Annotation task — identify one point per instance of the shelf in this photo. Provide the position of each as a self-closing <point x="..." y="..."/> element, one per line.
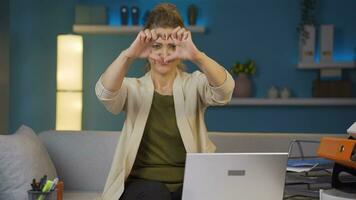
<point x="105" y="29"/>
<point x="293" y="102"/>
<point x="335" y="65"/>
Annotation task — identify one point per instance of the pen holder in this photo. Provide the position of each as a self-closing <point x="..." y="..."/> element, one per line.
<point x="38" y="195"/>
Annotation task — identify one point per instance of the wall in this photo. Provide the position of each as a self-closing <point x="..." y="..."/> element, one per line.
<point x="237" y="30"/>
<point x="4" y="66"/>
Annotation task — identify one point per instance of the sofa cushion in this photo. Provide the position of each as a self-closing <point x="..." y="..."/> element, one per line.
<point x="22" y="158"/>
<point x="82" y="158"/>
<point x="80" y="195"/>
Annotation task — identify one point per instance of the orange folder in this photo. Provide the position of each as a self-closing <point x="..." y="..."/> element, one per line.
<point x="339" y="150"/>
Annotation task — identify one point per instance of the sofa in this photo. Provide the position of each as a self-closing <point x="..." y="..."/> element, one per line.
<point x="83" y="158"/>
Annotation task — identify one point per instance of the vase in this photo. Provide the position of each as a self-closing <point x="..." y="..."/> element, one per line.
<point x="135" y="15"/>
<point x="272" y="92"/>
<point x="285" y="93"/>
<point x="124" y="13"/>
<point x="307" y="44"/>
<point x="242" y="85"/>
<point x="192" y="14"/>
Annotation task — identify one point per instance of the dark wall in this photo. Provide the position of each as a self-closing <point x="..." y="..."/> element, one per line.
<point x="4" y="66"/>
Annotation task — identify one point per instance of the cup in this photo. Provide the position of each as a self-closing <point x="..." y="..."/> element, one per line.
<point x="272" y="92"/>
<point x="38" y="195"/>
<point x="285" y="93"/>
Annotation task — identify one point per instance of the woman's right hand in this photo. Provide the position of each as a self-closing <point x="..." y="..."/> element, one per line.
<point x="141" y="46"/>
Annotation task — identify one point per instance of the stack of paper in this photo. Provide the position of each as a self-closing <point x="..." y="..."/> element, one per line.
<point x="305" y="165"/>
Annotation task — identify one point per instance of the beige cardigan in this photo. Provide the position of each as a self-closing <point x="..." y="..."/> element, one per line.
<point x="192" y="94"/>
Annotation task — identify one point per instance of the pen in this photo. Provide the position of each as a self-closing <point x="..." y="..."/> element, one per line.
<point x="33" y="184"/>
<point x="43" y="182"/>
<point x="46" y="188"/>
<point x="55" y="182"/>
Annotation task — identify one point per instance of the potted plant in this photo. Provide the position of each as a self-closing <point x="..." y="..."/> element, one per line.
<point x="243" y="84"/>
<point x="306" y="29"/>
<point x="307" y="18"/>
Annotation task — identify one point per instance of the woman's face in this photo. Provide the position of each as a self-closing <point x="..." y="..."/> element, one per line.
<point x="161" y="48"/>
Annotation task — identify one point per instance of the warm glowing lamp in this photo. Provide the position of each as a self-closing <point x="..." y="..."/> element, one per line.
<point x="69" y="82"/>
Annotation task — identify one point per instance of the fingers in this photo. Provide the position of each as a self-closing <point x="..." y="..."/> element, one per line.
<point x="142" y="36"/>
<point x="174" y="32"/>
<point x="154" y="34"/>
<point x="164" y="36"/>
<point x="169" y="58"/>
<point x="180" y="33"/>
<point x="155" y="57"/>
<point x="148" y="35"/>
<point x="186" y="35"/>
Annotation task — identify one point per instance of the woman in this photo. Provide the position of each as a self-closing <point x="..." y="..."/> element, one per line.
<point x="164" y="109"/>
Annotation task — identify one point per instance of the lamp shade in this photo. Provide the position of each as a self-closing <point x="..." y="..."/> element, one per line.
<point x="69" y="82"/>
<point x="69" y="62"/>
<point x="69" y="111"/>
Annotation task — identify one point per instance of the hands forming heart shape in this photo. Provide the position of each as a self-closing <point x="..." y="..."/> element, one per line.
<point x="180" y="38"/>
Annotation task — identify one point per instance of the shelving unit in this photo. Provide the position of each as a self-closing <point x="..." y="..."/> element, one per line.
<point x="106" y="29"/>
<point x="334" y="65"/>
<point x="293" y="102"/>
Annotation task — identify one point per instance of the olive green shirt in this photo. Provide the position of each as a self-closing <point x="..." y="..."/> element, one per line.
<point x="161" y="155"/>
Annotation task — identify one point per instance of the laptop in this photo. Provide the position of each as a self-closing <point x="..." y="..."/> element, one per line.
<point x="231" y="176"/>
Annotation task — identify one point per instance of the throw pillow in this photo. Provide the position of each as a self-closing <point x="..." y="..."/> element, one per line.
<point x="22" y="158"/>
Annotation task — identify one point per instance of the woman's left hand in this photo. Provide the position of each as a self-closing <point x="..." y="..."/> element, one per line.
<point x="185" y="48"/>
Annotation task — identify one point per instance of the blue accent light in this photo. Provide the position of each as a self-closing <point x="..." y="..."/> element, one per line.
<point x="113" y="15"/>
<point x="115" y="20"/>
<point x="344" y="57"/>
<point x="201" y="21"/>
<point x="337" y="57"/>
<point x="317" y="56"/>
